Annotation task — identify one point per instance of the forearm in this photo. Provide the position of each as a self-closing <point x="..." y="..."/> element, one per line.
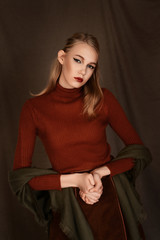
<point x="54" y="182"/>
<point x="46" y="182"/>
<point x="120" y="166"/>
<point x="83" y="181"/>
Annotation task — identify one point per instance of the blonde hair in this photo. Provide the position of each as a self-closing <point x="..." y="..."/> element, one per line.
<point x="92" y="93"/>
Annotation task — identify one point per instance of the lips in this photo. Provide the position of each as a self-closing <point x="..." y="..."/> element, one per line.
<point x="79" y="79"/>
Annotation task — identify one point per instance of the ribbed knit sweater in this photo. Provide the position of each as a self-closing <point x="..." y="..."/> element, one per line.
<point x="72" y="142"/>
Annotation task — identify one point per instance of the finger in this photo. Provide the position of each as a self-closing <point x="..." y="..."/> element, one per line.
<point x="88" y="201"/>
<point x="100" y="190"/>
<point x="94" y="189"/>
<point x="88" y="189"/>
<point x="81" y="193"/>
<point x="92" y="201"/>
<point x="92" y="197"/>
<point x="83" y="198"/>
<point x="98" y="186"/>
<point x="91" y="179"/>
<point x="97" y="179"/>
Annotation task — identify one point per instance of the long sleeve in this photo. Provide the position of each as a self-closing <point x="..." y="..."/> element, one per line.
<point x="121" y="125"/>
<point x="25" y="147"/>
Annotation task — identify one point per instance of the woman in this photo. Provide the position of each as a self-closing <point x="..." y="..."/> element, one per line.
<point x="70" y="116"/>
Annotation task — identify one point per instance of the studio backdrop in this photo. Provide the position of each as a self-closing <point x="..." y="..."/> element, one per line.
<point x="32" y="32"/>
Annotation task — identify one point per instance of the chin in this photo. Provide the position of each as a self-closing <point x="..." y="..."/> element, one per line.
<point x="77" y="85"/>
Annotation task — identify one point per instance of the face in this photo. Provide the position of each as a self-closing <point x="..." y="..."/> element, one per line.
<point x="77" y="65"/>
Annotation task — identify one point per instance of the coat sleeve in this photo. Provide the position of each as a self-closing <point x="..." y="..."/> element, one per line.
<point x="24" y="150"/>
<point x="119" y="122"/>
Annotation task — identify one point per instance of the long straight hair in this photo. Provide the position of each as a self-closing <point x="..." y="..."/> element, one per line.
<point x="92" y="93"/>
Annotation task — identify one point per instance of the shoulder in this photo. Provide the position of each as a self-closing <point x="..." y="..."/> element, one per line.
<point x="32" y="107"/>
<point x="107" y="94"/>
<point x="36" y="102"/>
<point x="110" y="100"/>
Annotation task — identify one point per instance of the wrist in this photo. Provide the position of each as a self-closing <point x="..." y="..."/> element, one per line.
<point x="102" y="171"/>
<point x="69" y="180"/>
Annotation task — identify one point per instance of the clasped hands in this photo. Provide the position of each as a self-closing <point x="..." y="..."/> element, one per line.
<point x="90" y="184"/>
<point x="91" y="187"/>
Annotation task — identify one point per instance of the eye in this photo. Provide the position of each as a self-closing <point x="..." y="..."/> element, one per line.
<point x="77" y="60"/>
<point x="91" y="67"/>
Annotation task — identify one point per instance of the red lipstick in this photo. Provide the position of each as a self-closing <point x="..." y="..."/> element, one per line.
<point x="79" y="79"/>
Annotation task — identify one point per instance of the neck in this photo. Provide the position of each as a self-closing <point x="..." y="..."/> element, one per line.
<point x="70" y="93"/>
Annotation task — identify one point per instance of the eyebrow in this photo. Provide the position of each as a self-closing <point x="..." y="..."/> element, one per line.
<point x="83" y="59"/>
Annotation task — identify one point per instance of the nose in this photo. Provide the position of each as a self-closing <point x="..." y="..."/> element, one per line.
<point x="82" y="70"/>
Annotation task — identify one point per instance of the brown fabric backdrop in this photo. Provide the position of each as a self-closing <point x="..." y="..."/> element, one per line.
<point x="31" y="34"/>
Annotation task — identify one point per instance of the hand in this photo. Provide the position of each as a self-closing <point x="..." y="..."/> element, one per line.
<point x="90" y="198"/>
<point x="97" y="173"/>
<point x="85" y="181"/>
<point x="94" y="193"/>
<point x="98" y="187"/>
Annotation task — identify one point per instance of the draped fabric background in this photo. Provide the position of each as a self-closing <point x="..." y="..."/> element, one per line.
<point x="31" y="34"/>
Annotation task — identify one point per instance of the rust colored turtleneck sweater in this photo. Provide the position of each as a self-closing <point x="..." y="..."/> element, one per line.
<point x="72" y="142"/>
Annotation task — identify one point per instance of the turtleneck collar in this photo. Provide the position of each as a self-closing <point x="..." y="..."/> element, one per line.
<point x="68" y="92"/>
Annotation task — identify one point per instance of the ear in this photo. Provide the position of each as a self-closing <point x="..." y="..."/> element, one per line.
<point x="61" y="56"/>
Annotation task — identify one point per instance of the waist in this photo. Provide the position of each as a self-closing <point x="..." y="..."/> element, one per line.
<point x="87" y="167"/>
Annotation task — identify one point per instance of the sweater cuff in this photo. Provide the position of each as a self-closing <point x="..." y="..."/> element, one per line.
<point x="120" y="166"/>
<point x="46" y="182"/>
